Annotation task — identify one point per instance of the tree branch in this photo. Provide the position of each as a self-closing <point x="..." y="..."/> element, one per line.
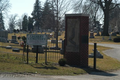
<point x="114" y="7"/>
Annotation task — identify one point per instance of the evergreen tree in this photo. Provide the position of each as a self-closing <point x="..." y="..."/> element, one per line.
<point x="30" y="24"/>
<point x="48" y="18"/>
<point x="1" y="22"/>
<point x="24" y="23"/>
<point x="37" y="13"/>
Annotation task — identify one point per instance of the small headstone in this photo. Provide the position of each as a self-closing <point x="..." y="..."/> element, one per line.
<point x="60" y="38"/>
<point x="98" y="55"/>
<point x="114" y="34"/>
<point x="98" y="34"/>
<point x="48" y="36"/>
<point x="53" y="41"/>
<point x="55" y="48"/>
<point x="13" y="39"/>
<point x="59" y="34"/>
<point x="16" y="43"/>
<point x="3" y="36"/>
<point x="110" y="38"/>
<point x="16" y="50"/>
<point x="7" y="41"/>
<point x="91" y="35"/>
<point x="8" y="47"/>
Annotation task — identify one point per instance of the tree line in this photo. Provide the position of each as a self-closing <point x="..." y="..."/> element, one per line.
<point x="51" y="15"/>
<point x="41" y="18"/>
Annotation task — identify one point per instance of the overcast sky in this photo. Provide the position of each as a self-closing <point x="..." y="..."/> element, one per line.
<point x="22" y="6"/>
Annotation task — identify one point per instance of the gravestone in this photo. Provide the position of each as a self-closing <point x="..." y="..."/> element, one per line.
<point x="98" y="55"/>
<point x="51" y="35"/>
<point x="16" y="50"/>
<point x="53" y="41"/>
<point x="13" y="39"/>
<point x="59" y="34"/>
<point x="3" y="36"/>
<point x="48" y="36"/>
<point x="91" y="34"/>
<point x="55" y="48"/>
<point x="98" y="34"/>
<point x="113" y="34"/>
<point x="8" y="47"/>
<point x="60" y="38"/>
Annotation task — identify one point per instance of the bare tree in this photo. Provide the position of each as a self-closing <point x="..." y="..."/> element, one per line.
<point x="12" y="22"/>
<point x="115" y="19"/>
<point x="19" y="23"/>
<point x="106" y="6"/>
<point x="60" y="9"/>
<point x="89" y="7"/>
<point x="77" y="6"/>
<point x="4" y="5"/>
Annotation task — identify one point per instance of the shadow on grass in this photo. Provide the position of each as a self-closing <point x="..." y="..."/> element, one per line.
<point x="102" y="73"/>
<point x="92" y="71"/>
<point x="43" y="66"/>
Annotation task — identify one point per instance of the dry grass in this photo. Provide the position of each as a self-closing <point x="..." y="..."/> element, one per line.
<point x="16" y="62"/>
<point x="15" y="59"/>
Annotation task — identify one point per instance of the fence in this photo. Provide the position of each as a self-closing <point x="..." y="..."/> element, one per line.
<point x="53" y="54"/>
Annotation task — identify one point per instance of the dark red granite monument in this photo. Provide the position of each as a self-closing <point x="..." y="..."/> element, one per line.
<point x="76" y="39"/>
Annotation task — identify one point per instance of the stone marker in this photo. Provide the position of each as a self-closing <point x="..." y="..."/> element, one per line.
<point x="59" y="34"/>
<point x="53" y="41"/>
<point x="54" y="48"/>
<point x="16" y="42"/>
<point x="114" y="34"/>
<point x="3" y="36"/>
<point x="98" y="55"/>
<point x="91" y="34"/>
<point x="8" y="47"/>
<point x="16" y="50"/>
<point x="13" y="39"/>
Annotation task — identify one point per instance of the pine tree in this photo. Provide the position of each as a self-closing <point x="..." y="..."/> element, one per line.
<point x="1" y="22"/>
<point x="30" y="24"/>
<point x="48" y="18"/>
<point x="37" y="13"/>
<point x="24" y="23"/>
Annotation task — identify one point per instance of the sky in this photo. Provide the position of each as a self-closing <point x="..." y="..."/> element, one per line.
<point x="22" y="6"/>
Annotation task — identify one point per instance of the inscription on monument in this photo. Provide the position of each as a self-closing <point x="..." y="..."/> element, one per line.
<point x="73" y="35"/>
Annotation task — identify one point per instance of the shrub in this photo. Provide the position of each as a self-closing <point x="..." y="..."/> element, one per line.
<point x="19" y="37"/>
<point x="24" y="39"/>
<point x="116" y="39"/>
<point x="62" y="62"/>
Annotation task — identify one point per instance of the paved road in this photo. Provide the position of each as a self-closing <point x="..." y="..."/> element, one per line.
<point x="93" y="76"/>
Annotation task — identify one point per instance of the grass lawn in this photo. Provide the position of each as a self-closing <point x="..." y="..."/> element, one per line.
<point x="14" y="63"/>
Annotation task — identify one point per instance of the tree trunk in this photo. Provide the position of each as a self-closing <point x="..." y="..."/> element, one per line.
<point x="106" y="23"/>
